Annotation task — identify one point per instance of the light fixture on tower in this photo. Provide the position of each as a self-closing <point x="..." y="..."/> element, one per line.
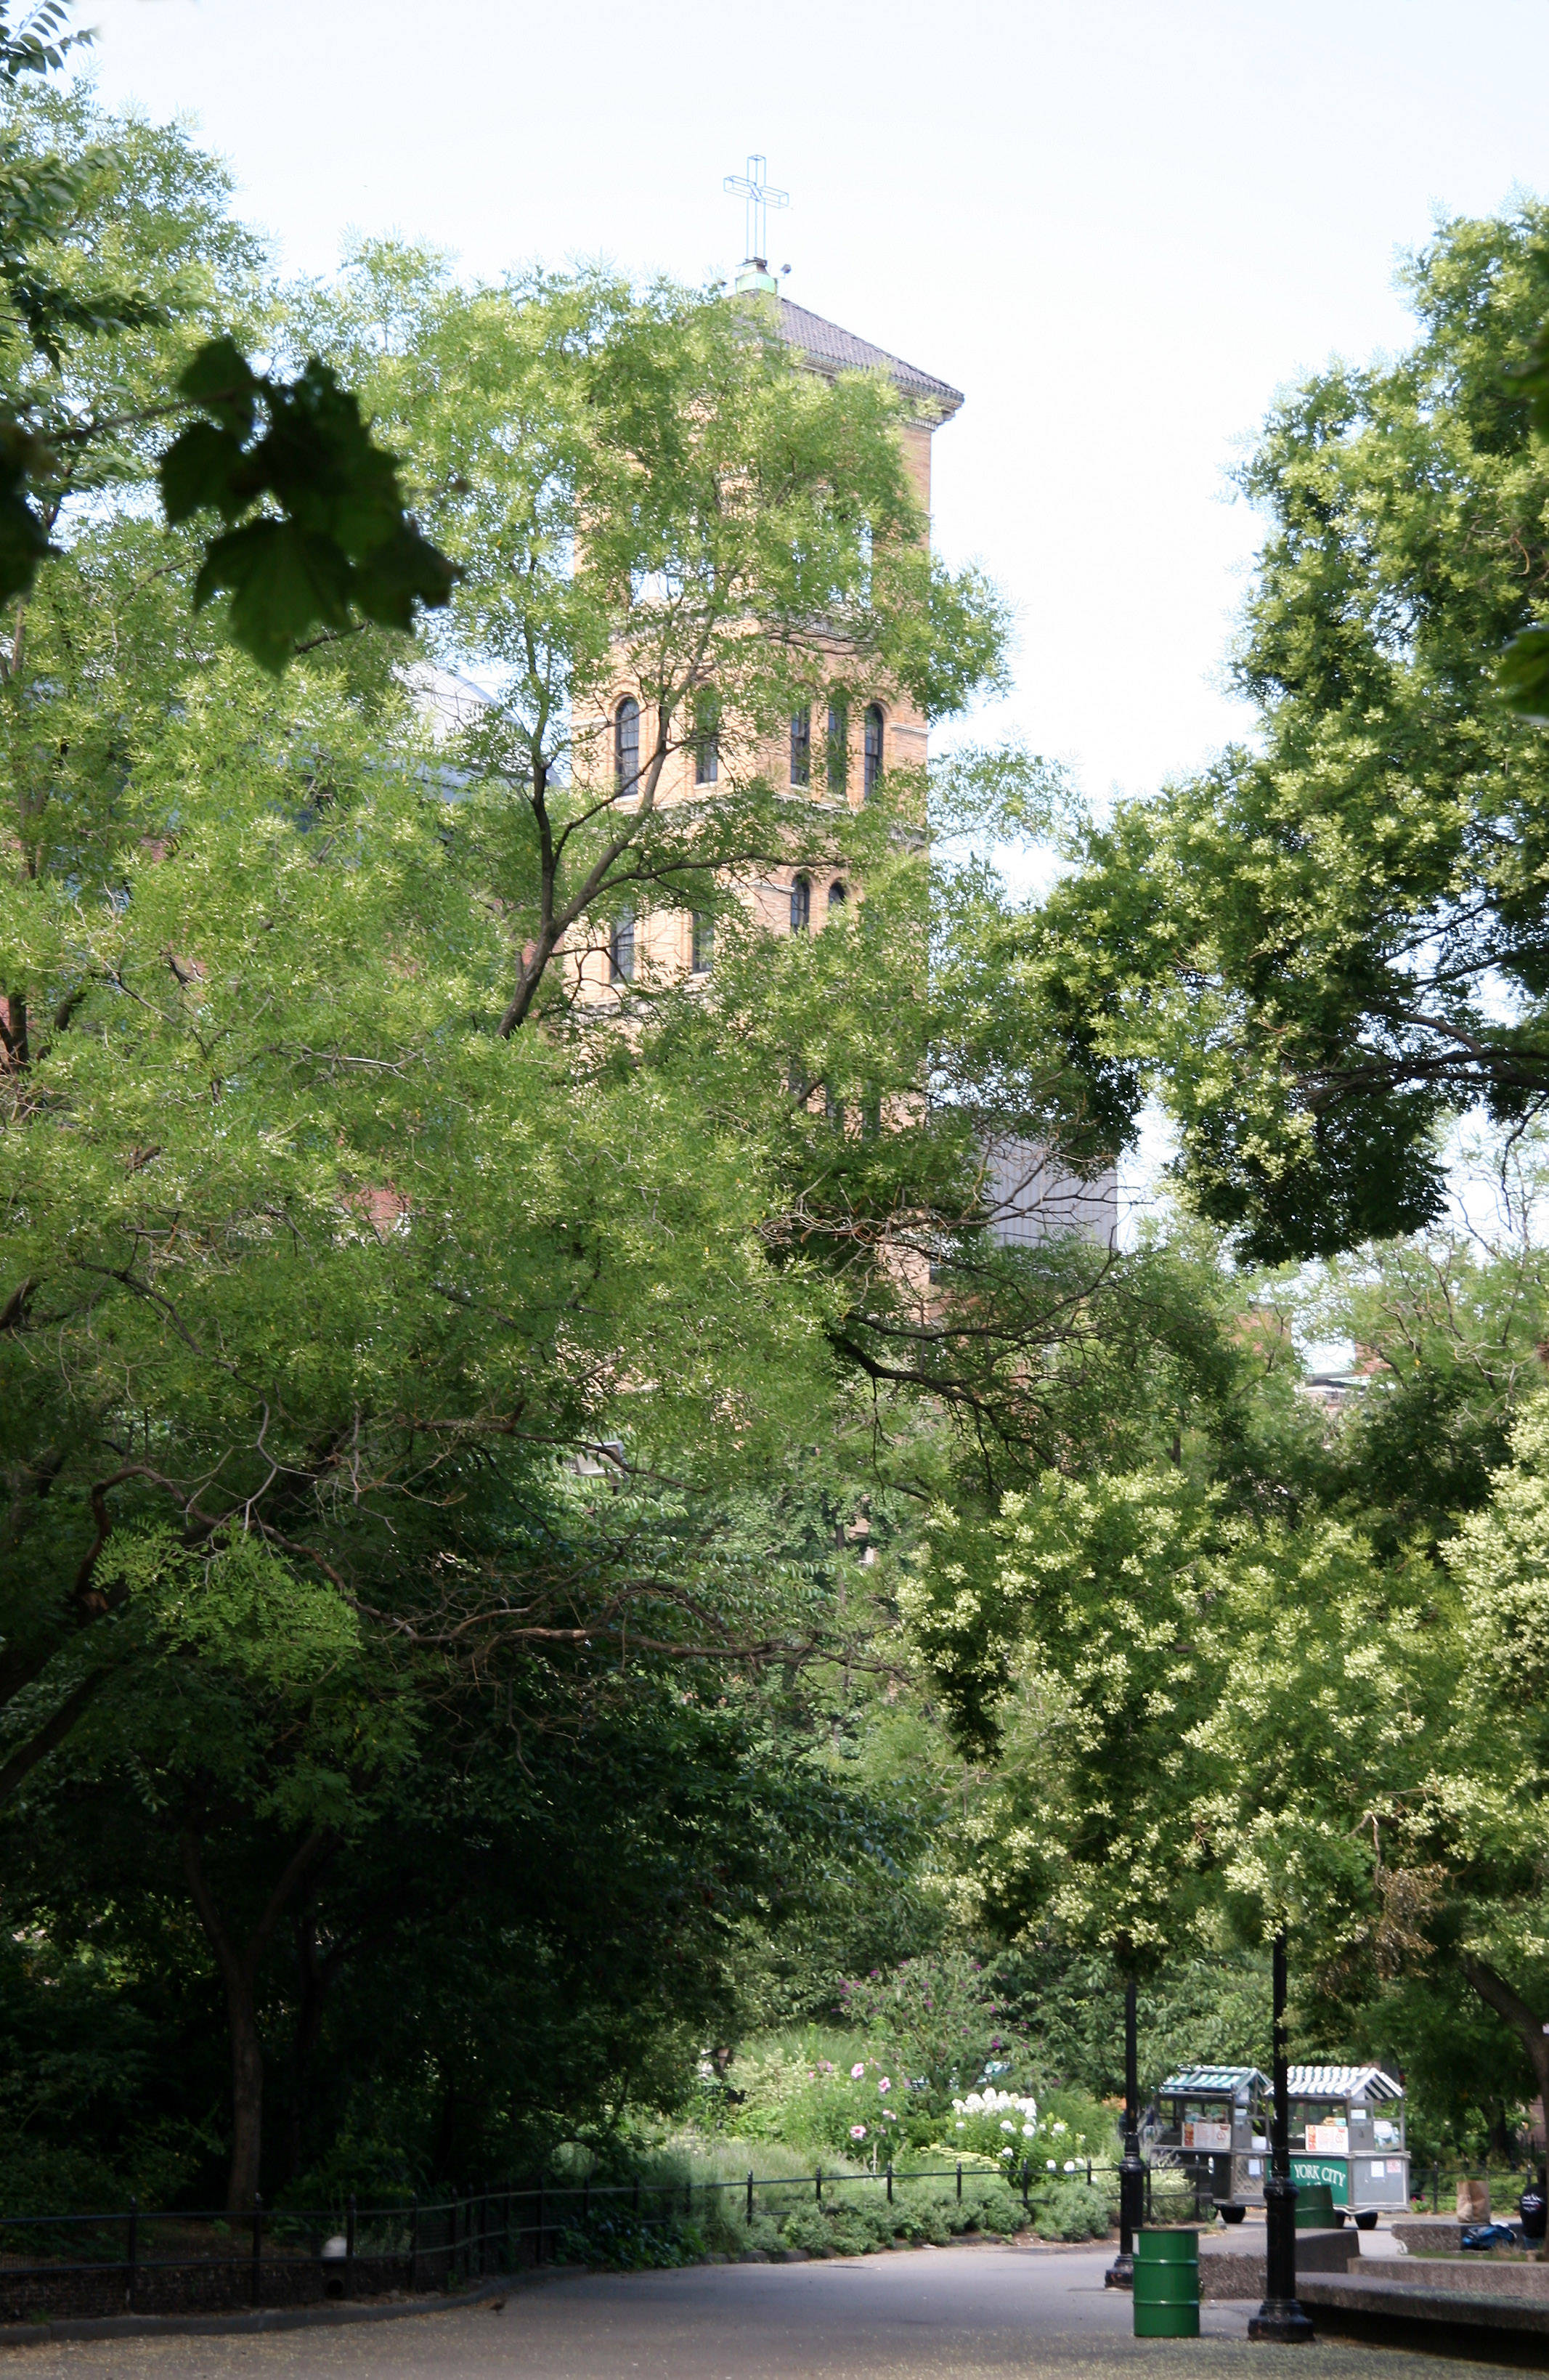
<point x="753" y="187"/>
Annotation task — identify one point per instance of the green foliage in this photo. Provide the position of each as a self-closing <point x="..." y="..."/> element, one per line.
<point x="337" y="540"/>
<point x="332" y="538"/>
<point x="1201" y="2007"/>
<point x="1319" y="949"/>
<point x="1072" y="2211"/>
<point x="623" y="2242"/>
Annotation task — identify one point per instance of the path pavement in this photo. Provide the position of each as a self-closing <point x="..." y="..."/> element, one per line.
<point x="969" y="2312"/>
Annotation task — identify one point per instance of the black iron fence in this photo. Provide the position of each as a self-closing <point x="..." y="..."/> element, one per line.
<point x="1439" y="2182"/>
<point x="139" y="2261"/>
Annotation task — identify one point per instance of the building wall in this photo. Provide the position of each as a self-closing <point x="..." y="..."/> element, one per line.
<point x="663" y="939"/>
<point x="1034" y="1197"/>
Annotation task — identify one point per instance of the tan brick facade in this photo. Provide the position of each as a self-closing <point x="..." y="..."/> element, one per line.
<point x="660" y="944"/>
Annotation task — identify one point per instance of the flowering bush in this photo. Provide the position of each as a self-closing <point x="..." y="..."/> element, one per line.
<point x="1000" y="2124"/>
<point x="857" y="2106"/>
<point x="942" y="2019"/>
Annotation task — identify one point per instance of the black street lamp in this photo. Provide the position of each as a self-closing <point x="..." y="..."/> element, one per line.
<point x="1280" y="2318"/>
<point x="1121" y="2273"/>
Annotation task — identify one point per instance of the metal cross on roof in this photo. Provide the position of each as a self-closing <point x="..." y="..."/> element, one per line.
<point x="752" y="186"/>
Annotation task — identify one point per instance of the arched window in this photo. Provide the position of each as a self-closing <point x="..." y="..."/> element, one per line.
<point x="620" y="948"/>
<point x="704" y="941"/>
<point x="707" y="737"/>
<point x="873" y="768"/>
<point x="801" y="904"/>
<point x="837" y="897"/>
<point x="626" y="745"/>
<point x="801" y="746"/>
<point x="839" y="750"/>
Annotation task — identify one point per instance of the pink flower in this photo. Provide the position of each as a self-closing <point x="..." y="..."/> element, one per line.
<point x="886" y="2083"/>
<point x="857" y="2132"/>
<point x="856" y="2073"/>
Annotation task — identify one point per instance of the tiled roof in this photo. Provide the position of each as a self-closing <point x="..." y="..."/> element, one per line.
<point x="829" y="350"/>
<point x="1213" y="2079"/>
<point x="1341" y="2082"/>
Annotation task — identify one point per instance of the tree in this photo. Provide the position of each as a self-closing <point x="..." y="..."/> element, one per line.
<point x="1319" y="949"/>
<point x="315" y="529"/>
<point x="644" y="493"/>
<point x="471" y="1334"/>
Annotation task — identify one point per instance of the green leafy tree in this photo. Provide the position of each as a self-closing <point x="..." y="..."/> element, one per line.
<point x="316" y="532"/>
<point x="644" y="493"/>
<point x="1323" y="946"/>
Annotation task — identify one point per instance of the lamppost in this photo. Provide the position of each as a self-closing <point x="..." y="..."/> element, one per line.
<point x="1280" y="2318"/>
<point x="1121" y="2273"/>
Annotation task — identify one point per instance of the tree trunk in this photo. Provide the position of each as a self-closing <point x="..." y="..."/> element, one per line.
<point x="1530" y="2029"/>
<point x="239" y="1974"/>
<point x="247" y="2098"/>
<point x="315" y="1978"/>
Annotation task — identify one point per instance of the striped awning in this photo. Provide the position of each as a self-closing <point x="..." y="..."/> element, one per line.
<point x="1213" y="2082"/>
<point x="1341" y="2082"/>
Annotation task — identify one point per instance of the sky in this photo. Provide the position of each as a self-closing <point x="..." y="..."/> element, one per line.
<point x="1118" y="225"/>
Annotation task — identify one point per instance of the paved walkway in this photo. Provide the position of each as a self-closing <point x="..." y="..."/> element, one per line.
<point x="947" y="2314"/>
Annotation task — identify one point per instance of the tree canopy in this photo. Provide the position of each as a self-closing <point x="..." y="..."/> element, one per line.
<point x="1322" y="947"/>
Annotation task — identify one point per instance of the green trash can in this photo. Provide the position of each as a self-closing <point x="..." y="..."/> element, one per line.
<point x="1314" y="2207"/>
<point x="1167" y="2291"/>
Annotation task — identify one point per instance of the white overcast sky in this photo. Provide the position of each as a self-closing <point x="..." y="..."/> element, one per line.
<point x="1119" y="225"/>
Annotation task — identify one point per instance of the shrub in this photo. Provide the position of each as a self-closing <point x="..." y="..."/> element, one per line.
<point x="805" y="2226"/>
<point x="997" y="2211"/>
<point x="1172" y="2195"/>
<point x="924" y="2215"/>
<point x="1071" y="2211"/>
<point x="856" y="2231"/>
<point x="623" y="2243"/>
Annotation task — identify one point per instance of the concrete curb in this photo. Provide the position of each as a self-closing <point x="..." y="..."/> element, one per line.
<point x="236" y="2326"/>
<point x="1437" y="2321"/>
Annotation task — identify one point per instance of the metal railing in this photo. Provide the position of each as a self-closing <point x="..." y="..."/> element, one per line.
<point x="146" y="2260"/>
<point x="1441" y="2181"/>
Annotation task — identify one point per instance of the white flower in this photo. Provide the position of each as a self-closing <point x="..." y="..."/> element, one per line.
<point x="1070" y="2164"/>
<point x="1052" y="2166"/>
<point x="1029" y="2132"/>
<point x="1005" y="2152"/>
<point x="1006" y="2125"/>
<point x="960" y="2125"/>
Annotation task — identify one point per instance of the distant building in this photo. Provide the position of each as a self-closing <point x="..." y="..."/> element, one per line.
<point x="1033" y="1197"/>
<point x="831" y="757"/>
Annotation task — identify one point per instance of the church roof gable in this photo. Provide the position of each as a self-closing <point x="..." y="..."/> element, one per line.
<point x="829" y="350"/>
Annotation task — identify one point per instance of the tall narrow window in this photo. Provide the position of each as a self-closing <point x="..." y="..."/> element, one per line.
<point x="873" y="748"/>
<point x="707" y="737"/>
<point x="839" y="750"/>
<point x="801" y="904"/>
<point x="837" y="898"/>
<point x="626" y="746"/>
<point x="704" y="941"/>
<point x="620" y="948"/>
<point x="801" y="746"/>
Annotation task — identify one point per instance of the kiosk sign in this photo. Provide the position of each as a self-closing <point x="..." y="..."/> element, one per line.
<point x="1334" y="2171"/>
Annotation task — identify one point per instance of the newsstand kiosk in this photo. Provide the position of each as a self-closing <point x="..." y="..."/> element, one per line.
<point x="1347" y="2128"/>
<point x="1215" y="2121"/>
